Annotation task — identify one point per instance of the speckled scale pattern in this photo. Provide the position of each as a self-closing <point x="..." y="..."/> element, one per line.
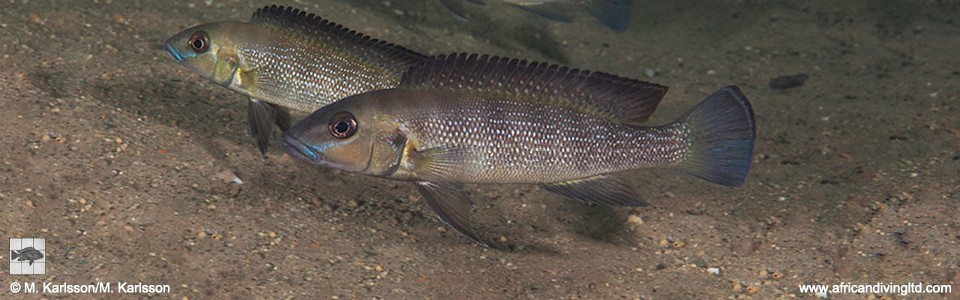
<point x="604" y="95"/>
<point x="305" y="78"/>
<point x="311" y="62"/>
<point x="522" y="142"/>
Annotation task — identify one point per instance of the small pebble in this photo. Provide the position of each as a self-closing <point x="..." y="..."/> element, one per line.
<point x="677" y="244"/>
<point x="120" y="19"/>
<point x="788" y="81"/>
<point x="227" y="176"/>
<point x="634" y="219"/>
<point x="36" y="19"/>
<point x="714" y="271"/>
<point x="650" y="72"/>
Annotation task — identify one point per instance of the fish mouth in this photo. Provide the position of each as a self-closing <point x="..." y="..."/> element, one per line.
<point x="300" y="150"/>
<point x="172" y="51"/>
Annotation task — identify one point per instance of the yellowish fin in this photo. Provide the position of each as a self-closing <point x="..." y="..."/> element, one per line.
<point x="601" y="189"/>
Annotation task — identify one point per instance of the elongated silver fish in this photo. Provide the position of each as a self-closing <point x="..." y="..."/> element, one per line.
<point x="469" y="119"/>
<point x="613" y="13"/>
<point x="285" y="58"/>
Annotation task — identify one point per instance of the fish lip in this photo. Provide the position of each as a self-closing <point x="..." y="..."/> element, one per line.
<point x="300" y="150"/>
<point x="172" y="51"/>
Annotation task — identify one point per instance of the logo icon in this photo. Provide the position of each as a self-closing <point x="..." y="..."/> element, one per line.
<point x="27" y="256"/>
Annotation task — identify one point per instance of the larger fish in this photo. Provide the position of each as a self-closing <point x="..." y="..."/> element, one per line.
<point x="285" y="58"/>
<point x="613" y="13"/>
<point x="452" y="121"/>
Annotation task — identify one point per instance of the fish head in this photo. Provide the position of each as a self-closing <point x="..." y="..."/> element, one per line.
<point x="349" y="135"/>
<point x="209" y="50"/>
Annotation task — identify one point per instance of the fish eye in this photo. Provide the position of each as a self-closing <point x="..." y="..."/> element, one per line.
<point x="199" y="42"/>
<point x="343" y="125"/>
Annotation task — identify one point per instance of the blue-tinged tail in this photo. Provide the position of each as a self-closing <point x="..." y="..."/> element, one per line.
<point x="721" y="133"/>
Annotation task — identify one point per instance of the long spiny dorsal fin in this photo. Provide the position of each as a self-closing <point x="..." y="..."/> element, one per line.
<point x="620" y="99"/>
<point x="329" y="33"/>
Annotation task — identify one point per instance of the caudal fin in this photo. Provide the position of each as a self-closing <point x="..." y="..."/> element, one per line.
<point x="613" y="13"/>
<point x="722" y="132"/>
<point x="14" y="254"/>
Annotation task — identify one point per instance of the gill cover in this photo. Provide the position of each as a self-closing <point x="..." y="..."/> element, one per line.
<point x="386" y="153"/>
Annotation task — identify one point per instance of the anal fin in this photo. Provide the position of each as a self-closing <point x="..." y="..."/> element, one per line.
<point x="451" y="205"/>
<point x="262" y="117"/>
<point x="602" y="189"/>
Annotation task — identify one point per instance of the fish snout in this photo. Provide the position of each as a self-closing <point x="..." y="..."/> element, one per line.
<point x="172" y="51"/>
<point x="299" y="150"/>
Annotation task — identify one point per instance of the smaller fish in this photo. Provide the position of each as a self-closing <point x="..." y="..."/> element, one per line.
<point x="284" y="58"/>
<point x="613" y="13"/>
<point x="28" y="253"/>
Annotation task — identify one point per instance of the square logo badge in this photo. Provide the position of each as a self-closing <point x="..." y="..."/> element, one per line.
<point x="28" y="256"/>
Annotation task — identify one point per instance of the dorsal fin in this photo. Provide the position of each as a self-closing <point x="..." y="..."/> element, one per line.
<point x="311" y="26"/>
<point x="617" y="98"/>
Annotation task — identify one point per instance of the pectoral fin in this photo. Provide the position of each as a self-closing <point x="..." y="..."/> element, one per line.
<point x="254" y="81"/>
<point x="440" y="163"/>
<point x="450" y="204"/>
<point x="600" y="189"/>
<point x="262" y="116"/>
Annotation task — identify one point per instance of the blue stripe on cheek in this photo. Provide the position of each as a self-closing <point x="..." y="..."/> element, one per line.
<point x="306" y="150"/>
<point x="314" y="149"/>
<point x="315" y="152"/>
<point x="173" y="52"/>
